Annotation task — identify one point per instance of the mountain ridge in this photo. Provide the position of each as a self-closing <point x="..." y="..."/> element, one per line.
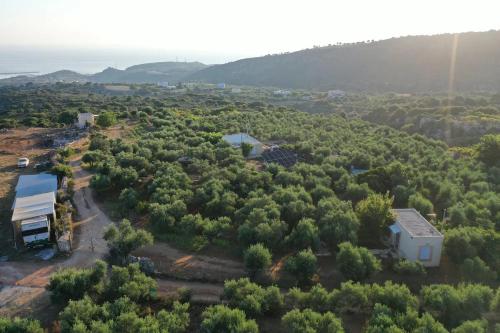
<point x="403" y="64"/>
<point x="171" y="72"/>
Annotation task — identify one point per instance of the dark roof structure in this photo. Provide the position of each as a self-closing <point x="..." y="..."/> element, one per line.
<point x="283" y="157"/>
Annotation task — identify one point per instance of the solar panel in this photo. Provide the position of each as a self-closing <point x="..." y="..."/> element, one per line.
<point x="280" y="156"/>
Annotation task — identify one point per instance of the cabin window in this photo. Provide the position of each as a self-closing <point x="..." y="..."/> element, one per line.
<point x="35" y="231"/>
<point x="425" y="253"/>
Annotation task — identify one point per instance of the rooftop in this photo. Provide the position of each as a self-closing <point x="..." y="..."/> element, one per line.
<point x="28" y="185"/>
<point x="239" y="138"/>
<point x="411" y="220"/>
<point x="33" y="206"/>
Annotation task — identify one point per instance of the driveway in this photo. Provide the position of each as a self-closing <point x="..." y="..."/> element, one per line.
<point x="24" y="282"/>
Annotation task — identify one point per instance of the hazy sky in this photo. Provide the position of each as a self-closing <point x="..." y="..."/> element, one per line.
<point x="229" y="29"/>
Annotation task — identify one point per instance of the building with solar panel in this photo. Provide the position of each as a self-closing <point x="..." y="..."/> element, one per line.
<point x="283" y="157"/>
<point x="237" y="139"/>
<point x="415" y="239"/>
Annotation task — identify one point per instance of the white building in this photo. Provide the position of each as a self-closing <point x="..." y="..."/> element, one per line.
<point x="282" y="93"/>
<point x="85" y="120"/>
<point x="236" y="90"/>
<point x="334" y="94"/>
<point x="415" y="239"/>
<point x="237" y="139"/>
<point x="33" y="209"/>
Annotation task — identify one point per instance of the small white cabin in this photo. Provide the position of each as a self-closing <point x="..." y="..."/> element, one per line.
<point x="415" y="239"/>
<point x="334" y="94"/>
<point x="85" y="120"/>
<point x="237" y="139"/>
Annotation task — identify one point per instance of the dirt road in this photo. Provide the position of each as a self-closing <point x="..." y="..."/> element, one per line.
<point x="23" y="283"/>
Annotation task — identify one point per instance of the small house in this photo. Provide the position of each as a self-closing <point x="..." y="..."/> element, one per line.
<point x="221" y="86"/>
<point x="33" y="210"/>
<point x="236" y="140"/>
<point x="415" y="239"/>
<point x="85" y="120"/>
<point x="334" y="94"/>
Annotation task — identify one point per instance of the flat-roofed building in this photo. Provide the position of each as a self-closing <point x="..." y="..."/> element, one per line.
<point x="415" y="239"/>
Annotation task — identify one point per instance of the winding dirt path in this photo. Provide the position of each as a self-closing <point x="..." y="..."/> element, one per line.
<point x="24" y="282"/>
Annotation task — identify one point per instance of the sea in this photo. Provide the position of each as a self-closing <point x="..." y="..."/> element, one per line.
<point x="37" y="61"/>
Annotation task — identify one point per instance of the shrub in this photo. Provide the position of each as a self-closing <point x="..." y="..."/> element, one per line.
<point x="18" y="325"/>
<point x="472" y="326"/>
<point x="73" y="284"/>
<point x="356" y="263"/>
<point x="476" y="270"/>
<point x="302" y="266"/>
<point x="297" y="321"/>
<point x="406" y="267"/>
<point x="252" y="298"/>
<point x="304" y="235"/>
<point x="257" y="258"/>
<point x="221" y="319"/>
<point x="125" y="239"/>
<point x="452" y="306"/>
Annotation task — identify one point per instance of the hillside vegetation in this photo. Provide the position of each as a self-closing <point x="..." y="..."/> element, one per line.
<point x="174" y="177"/>
<point x="407" y="64"/>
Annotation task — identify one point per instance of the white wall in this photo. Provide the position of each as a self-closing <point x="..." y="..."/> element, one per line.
<point x="256" y="150"/>
<point x="409" y="247"/>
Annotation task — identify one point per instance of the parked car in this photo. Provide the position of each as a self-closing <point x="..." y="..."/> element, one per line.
<point x="23" y="162"/>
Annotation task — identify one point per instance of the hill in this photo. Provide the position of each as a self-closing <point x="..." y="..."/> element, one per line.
<point x="171" y="72"/>
<point x="406" y="64"/>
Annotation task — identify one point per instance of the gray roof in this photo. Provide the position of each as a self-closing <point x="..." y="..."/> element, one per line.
<point x="238" y="138"/>
<point x="33" y="206"/>
<point x="411" y="220"/>
<point x="28" y="185"/>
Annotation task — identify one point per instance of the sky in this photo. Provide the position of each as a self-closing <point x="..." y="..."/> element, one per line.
<point x="215" y="31"/>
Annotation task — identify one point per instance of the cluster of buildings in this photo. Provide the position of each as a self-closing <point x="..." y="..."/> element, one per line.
<point x="411" y="236"/>
<point x="33" y="210"/>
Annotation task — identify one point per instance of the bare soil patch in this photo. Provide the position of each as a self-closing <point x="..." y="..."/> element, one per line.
<point x="174" y="263"/>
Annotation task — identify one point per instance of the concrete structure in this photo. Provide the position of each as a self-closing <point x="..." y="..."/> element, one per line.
<point x="415" y="239"/>
<point x="334" y="94"/>
<point x="282" y="93"/>
<point x="237" y="139"/>
<point x="221" y="86"/>
<point x="236" y="90"/>
<point x="85" y="120"/>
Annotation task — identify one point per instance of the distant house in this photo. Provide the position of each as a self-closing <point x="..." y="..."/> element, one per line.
<point x="282" y="93"/>
<point x="221" y="86"/>
<point x="334" y="94"/>
<point x="237" y="139"/>
<point x="415" y="239"/>
<point x="85" y="120"/>
<point x="236" y="90"/>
